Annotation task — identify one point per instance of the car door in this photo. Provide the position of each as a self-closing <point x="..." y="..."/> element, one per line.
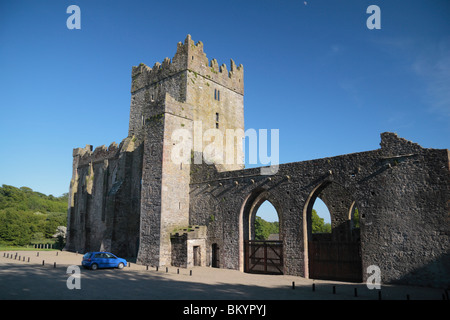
<point x="112" y="260"/>
<point x="101" y="260"/>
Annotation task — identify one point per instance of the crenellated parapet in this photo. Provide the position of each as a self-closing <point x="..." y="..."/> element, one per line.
<point x="189" y="56"/>
<point x="87" y="156"/>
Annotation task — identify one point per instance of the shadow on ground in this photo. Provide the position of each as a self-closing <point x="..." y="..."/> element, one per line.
<point x="32" y="282"/>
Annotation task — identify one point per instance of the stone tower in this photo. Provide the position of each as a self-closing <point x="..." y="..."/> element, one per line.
<point x="188" y="96"/>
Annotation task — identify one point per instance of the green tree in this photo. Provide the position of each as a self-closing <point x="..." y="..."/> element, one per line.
<point x="264" y="228"/>
<point x="27" y="215"/>
<point x="318" y="224"/>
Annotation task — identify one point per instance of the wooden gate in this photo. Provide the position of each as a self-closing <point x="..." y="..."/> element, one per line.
<point x="263" y="256"/>
<point x="335" y="261"/>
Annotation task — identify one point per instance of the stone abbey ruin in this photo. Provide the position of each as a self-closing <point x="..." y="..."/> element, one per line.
<point x="134" y="200"/>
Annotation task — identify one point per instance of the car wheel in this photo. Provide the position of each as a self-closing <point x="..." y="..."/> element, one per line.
<point x="94" y="266"/>
<point x="121" y="265"/>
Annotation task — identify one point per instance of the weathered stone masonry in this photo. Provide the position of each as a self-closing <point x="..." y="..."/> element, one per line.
<point x="132" y="199"/>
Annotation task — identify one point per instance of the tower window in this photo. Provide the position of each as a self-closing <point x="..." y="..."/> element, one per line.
<point x="217" y="125"/>
<point x="217" y="116"/>
<point x="216" y="94"/>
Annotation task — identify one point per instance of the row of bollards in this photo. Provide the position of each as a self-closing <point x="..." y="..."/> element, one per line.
<point x="17" y="257"/>
<point x="167" y="270"/>
<point x="445" y="295"/>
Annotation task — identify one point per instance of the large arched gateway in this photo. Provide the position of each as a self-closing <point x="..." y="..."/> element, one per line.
<point x="335" y="255"/>
<point x="259" y="256"/>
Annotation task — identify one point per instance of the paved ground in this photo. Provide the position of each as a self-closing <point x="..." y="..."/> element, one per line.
<point x="23" y="280"/>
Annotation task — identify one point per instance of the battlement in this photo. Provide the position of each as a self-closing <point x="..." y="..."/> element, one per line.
<point x="87" y="156"/>
<point x="189" y="56"/>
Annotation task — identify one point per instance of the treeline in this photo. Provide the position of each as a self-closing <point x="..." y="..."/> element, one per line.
<point x="264" y="228"/>
<point x="27" y="216"/>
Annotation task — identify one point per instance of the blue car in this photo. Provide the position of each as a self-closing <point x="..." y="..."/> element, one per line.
<point x="95" y="260"/>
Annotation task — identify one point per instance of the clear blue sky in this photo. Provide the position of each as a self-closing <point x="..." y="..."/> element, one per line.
<point x="313" y="70"/>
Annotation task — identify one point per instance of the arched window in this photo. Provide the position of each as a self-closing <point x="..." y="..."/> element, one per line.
<point x="267" y="226"/>
<point x="321" y="217"/>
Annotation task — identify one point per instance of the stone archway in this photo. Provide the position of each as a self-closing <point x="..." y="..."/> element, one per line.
<point x="335" y="257"/>
<point x="269" y="250"/>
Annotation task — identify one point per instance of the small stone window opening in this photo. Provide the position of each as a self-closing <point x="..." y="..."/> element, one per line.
<point x="216" y="94"/>
<point x="217" y="117"/>
<point x="217" y="125"/>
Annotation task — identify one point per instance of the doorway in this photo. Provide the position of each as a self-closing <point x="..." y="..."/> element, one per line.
<point x="197" y="256"/>
<point x="215" y="262"/>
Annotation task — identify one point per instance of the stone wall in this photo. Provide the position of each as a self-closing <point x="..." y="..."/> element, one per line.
<point x="402" y="197"/>
<point x="130" y="198"/>
<point x="104" y="199"/>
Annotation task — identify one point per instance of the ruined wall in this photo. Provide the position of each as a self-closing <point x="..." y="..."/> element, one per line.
<point x="407" y="231"/>
<point x="104" y="199"/>
<point x="401" y="191"/>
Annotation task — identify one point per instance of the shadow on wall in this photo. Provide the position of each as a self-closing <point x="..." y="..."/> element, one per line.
<point x="434" y="274"/>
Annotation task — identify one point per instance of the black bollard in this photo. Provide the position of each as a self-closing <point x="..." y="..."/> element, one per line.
<point x="356" y="292"/>
<point x="293" y="285"/>
<point x="313" y="287"/>
<point x="334" y="289"/>
<point x="190" y="272"/>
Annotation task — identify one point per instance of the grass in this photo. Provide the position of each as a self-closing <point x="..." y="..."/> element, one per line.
<point x="23" y="248"/>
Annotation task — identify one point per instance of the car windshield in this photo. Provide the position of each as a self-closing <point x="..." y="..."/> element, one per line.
<point x="87" y="255"/>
